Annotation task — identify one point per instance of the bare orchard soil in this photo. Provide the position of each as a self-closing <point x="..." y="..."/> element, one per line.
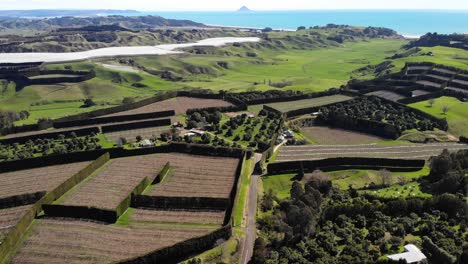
<point x="73" y="241"/>
<point x="336" y="136"/>
<point x="9" y="218"/>
<point x="116" y="181"/>
<point x="179" y="104"/>
<point x="197" y="176"/>
<point x="179" y="217"/>
<point x="413" y="151"/>
<point x="37" y="180"/>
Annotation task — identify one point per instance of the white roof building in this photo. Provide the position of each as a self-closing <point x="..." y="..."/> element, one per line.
<point x="146" y="143"/>
<point x="412" y="255"/>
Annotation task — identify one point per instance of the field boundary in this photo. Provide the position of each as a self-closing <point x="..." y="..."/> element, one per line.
<point x="180" y="203"/>
<point x="13" y="238"/>
<point x="162" y="174"/>
<point x="397" y="165"/>
<point x="178" y="252"/>
<point x="136" y="125"/>
<point x="113" y="119"/>
<point x="20" y="200"/>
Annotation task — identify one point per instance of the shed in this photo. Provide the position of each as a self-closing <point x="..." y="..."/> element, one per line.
<point x="412" y="255"/>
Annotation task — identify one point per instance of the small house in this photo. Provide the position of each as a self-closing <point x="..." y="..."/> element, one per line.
<point x="288" y="134"/>
<point x="189" y="134"/>
<point x="197" y="131"/>
<point x="412" y="255"/>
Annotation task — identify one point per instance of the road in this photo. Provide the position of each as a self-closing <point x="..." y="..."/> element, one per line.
<point x="251" y="230"/>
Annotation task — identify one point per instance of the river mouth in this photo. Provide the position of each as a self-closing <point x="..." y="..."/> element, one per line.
<point x="164" y="49"/>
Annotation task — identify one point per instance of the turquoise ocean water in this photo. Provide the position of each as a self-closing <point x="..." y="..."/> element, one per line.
<point x="408" y="23"/>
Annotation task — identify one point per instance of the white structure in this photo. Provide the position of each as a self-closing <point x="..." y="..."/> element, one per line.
<point x="146" y="143"/>
<point x="412" y="255"/>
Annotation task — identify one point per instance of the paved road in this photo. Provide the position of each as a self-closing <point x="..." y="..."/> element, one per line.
<point x="251" y="228"/>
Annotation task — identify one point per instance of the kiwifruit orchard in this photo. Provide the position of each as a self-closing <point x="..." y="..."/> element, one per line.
<point x="333" y="144"/>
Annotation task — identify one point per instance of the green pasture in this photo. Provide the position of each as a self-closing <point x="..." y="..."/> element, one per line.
<point x="457" y="115"/>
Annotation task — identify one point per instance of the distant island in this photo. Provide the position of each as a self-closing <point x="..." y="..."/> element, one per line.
<point x="244" y="9"/>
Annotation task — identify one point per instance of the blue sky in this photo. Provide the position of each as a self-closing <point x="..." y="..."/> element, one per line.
<point x="157" y="5"/>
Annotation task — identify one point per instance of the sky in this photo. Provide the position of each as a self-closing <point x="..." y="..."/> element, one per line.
<point x="196" y="5"/>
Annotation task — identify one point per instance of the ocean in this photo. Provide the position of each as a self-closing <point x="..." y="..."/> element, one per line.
<point x="409" y="23"/>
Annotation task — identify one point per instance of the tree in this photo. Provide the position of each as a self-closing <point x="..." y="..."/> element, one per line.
<point x="139" y="138"/>
<point x="206" y="138"/>
<point x="267" y="29"/>
<point x="88" y="102"/>
<point x="431" y="102"/>
<point x="123" y="141"/>
<point x="128" y="100"/>
<point x="386" y="177"/>
<point x="301" y="28"/>
<point x="445" y="109"/>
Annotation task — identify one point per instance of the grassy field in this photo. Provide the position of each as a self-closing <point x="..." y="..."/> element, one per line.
<point x="408" y="190"/>
<point x="281" y="184"/>
<point x="457" y="116"/>
<point x="442" y="55"/>
<point x="308" y="69"/>
<point x="360" y="178"/>
<point x="315" y="69"/>
<point x="314" y="102"/>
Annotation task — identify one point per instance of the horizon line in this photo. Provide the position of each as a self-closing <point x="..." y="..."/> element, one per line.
<point x="237" y="10"/>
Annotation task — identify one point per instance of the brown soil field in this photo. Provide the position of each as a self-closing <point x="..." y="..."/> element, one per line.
<point x="438" y="77"/>
<point x="179" y="104"/>
<point x="444" y="71"/>
<point x="38" y="179"/>
<point x="9" y="218"/>
<point x="131" y="135"/>
<point x="180" y="217"/>
<point x="58" y="242"/>
<point x="413" y="151"/>
<point x="198" y="176"/>
<point x="335" y="136"/>
<point x="457" y="89"/>
<point x="428" y="83"/>
<point x="389" y="95"/>
<point x="115" y="182"/>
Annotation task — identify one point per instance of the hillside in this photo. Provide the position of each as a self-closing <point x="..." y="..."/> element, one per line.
<point x="14" y="25"/>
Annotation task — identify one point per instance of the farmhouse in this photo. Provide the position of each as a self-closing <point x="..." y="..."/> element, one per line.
<point x="197" y="131"/>
<point x="412" y="255"/>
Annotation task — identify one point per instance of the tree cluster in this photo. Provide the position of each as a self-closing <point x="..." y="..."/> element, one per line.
<point x="43" y="147"/>
<point x="353" y="228"/>
<point x="448" y="172"/>
<point x="377" y="110"/>
<point x="8" y="118"/>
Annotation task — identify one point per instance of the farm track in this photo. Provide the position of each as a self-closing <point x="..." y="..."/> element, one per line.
<point x="38" y="179"/>
<point x="317" y="152"/>
<point x="57" y="241"/>
<point x="179" y="104"/>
